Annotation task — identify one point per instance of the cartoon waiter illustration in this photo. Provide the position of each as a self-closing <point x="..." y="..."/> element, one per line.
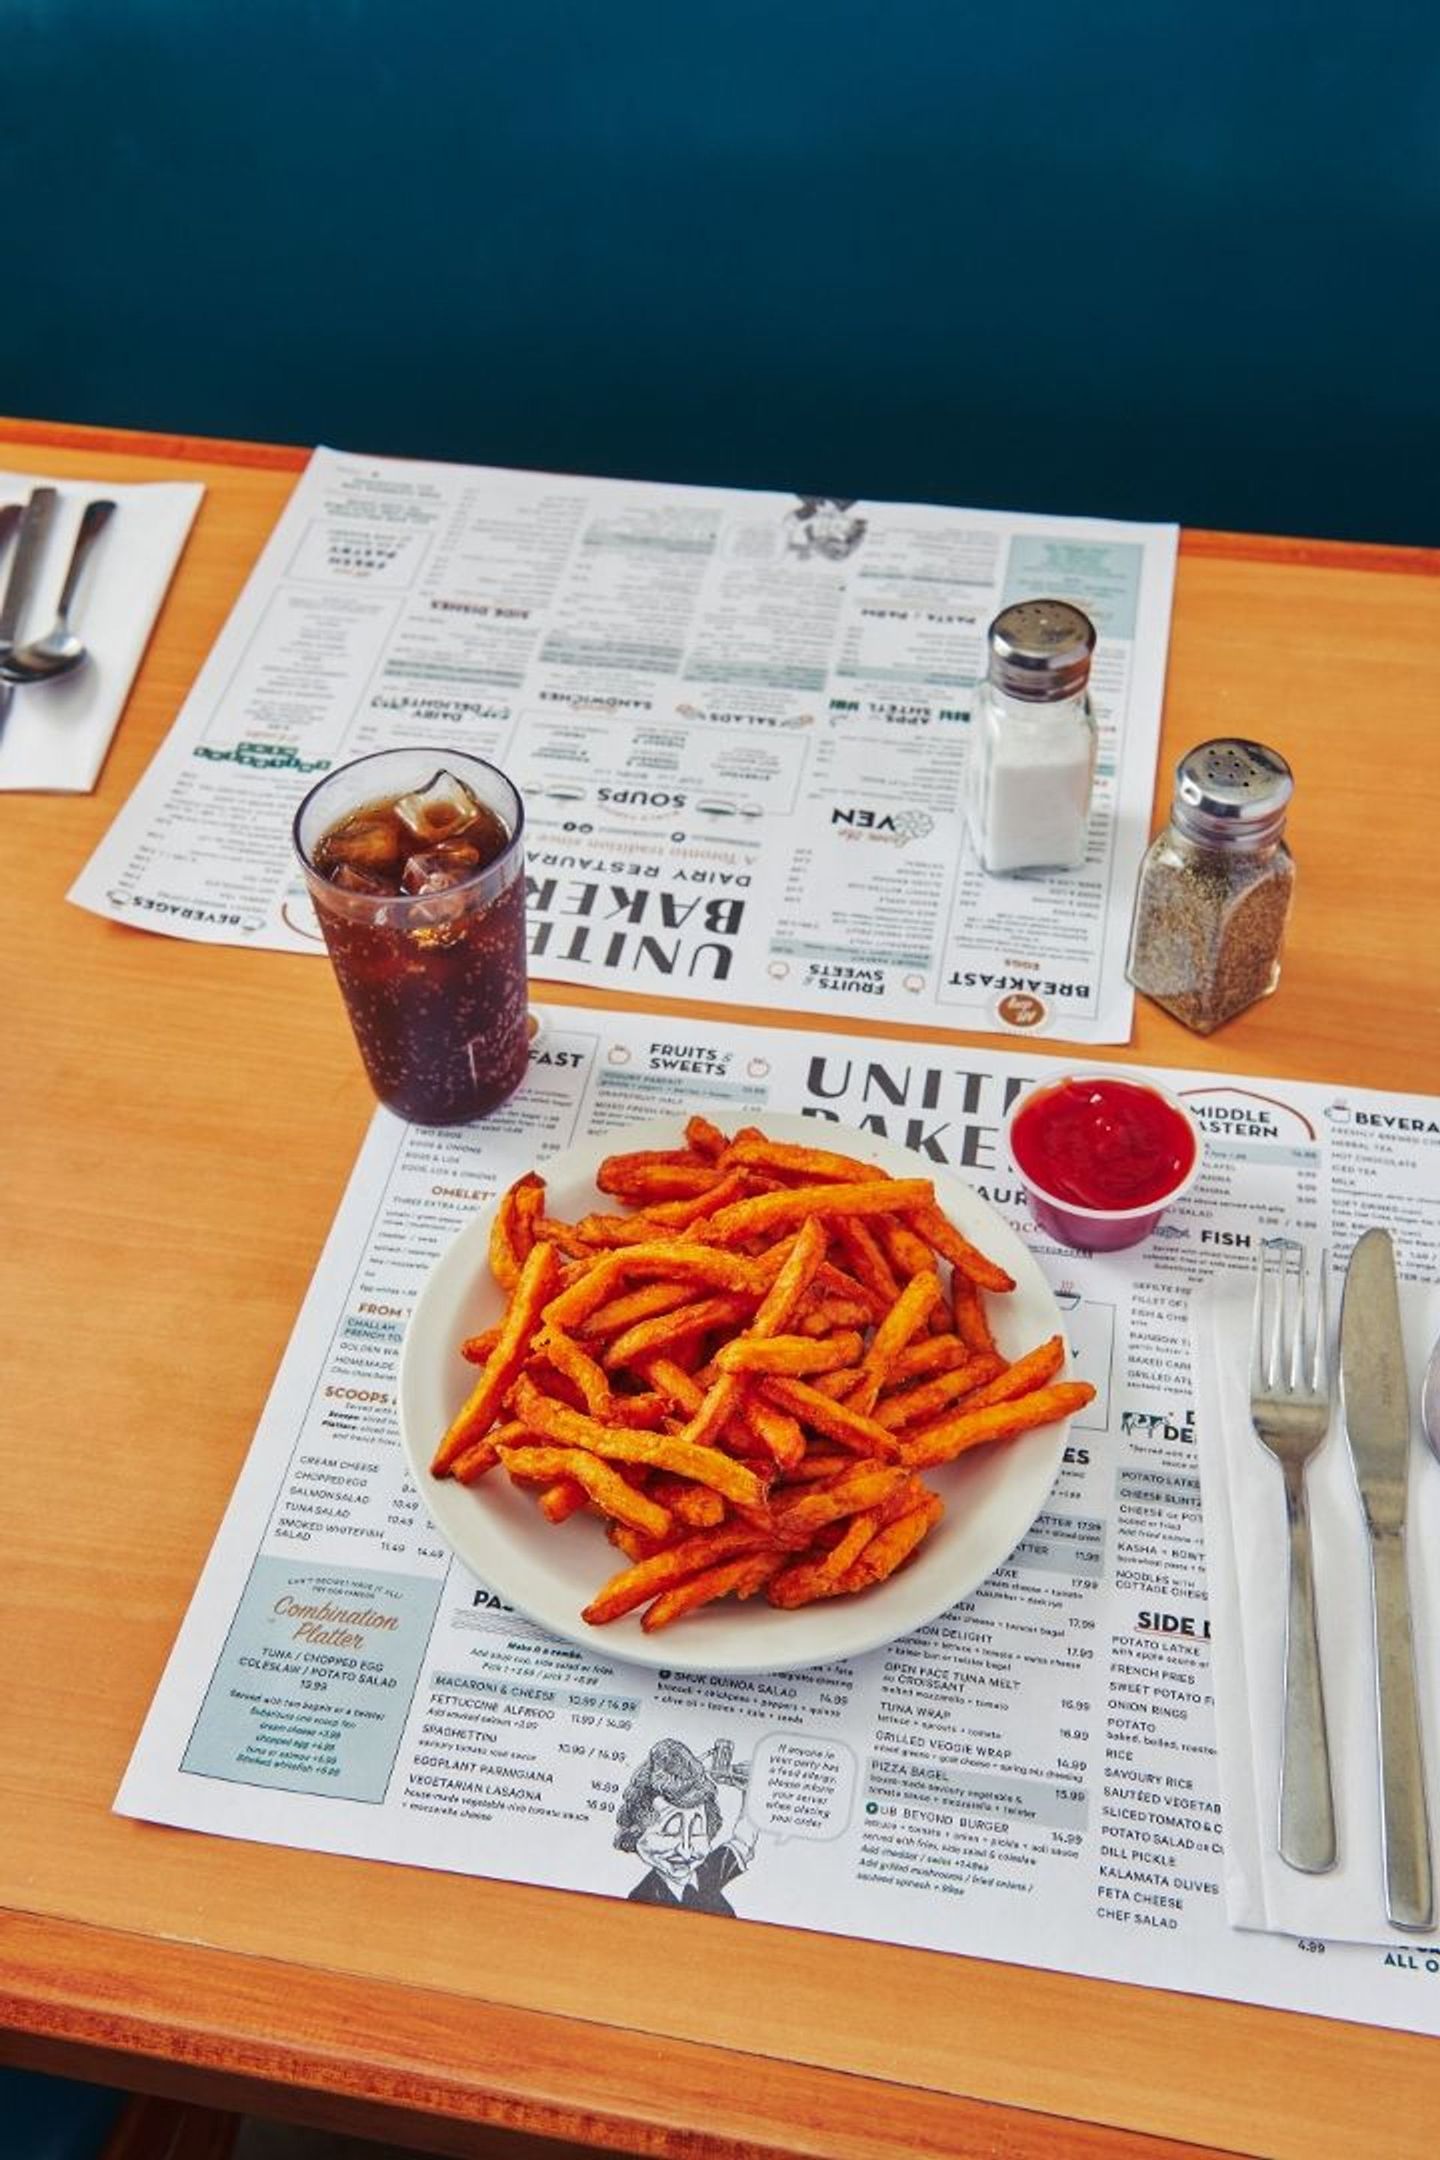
<point x="670" y="1816"/>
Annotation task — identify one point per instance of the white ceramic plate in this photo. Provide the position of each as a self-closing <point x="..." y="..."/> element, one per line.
<point x="992" y="1495"/>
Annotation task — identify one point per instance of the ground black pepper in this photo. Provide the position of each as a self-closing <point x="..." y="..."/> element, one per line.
<point x="1215" y="887"/>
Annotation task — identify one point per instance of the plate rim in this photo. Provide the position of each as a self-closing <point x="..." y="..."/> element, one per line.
<point x="462" y="1270"/>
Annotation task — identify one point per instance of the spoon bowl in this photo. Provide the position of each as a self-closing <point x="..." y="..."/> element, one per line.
<point x="1430" y="1401"/>
<point x="60" y="650"/>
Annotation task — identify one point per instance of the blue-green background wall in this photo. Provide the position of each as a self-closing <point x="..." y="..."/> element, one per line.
<point x="1149" y="258"/>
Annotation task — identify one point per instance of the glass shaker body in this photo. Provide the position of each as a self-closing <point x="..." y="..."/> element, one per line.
<point x="1033" y="740"/>
<point x="1215" y="887"/>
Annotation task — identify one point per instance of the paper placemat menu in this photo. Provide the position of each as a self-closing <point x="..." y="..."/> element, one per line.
<point x="1031" y="1778"/>
<point x="739" y="722"/>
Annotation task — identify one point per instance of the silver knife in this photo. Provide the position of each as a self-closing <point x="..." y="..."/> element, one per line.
<point x="1375" y="1390"/>
<point x="29" y="550"/>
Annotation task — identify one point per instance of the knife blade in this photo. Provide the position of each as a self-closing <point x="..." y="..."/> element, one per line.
<point x="1375" y="1393"/>
<point x="35" y="525"/>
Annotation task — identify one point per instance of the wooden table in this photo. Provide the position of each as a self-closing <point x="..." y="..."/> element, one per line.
<point x="180" y="1121"/>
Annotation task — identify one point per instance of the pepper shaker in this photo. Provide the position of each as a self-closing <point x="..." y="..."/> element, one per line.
<point x="1215" y="885"/>
<point x="1032" y="757"/>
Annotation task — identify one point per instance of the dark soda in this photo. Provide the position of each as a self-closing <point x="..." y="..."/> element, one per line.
<point x="421" y="897"/>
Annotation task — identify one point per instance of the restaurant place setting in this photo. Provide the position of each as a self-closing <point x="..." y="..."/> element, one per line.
<point x="1364" y="1766"/>
<point x="823" y="1436"/>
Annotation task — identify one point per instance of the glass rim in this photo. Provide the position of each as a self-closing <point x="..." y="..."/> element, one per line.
<point x="422" y="753"/>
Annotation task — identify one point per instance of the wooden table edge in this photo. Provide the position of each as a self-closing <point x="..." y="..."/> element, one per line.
<point x="428" y="2066"/>
<point x="292" y="457"/>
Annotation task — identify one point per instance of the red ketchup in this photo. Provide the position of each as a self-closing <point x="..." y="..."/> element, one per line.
<point x="1102" y="1157"/>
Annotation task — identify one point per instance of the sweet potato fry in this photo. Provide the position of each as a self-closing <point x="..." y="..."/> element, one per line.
<point x="644" y="1579"/>
<point x="624" y="1443"/>
<point x="671" y="1259"/>
<point x="767" y="1212"/>
<point x="867" y="1261"/>
<point x="618" y="1313"/>
<point x="616" y="1171"/>
<point x="942" y="1236"/>
<point x="904" y="1248"/>
<point x="836" y="1420"/>
<point x="679" y="1214"/>
<point x="933" y="1354"/>
<point x="512" y="1233"/>
<point x="810" y="1165"/>
<point x="864" y="1485"/>
<point x="722" y="1397"/>
<point x="703" y="1138"/>
<point x="477" y="1413"/>
<point x="472" y="1462"/>
<point x="893" y="1545"/>
<point x="930" y="1399"/>
<point x="832" y="1313"/>
<point x="1027" y="1372"/>
<point x="950" y="1436"/>
<point x="543" y="1465"/>
<point x="661" y="1333"/>
<point x="696" y="1506"/>
<point x="476" y="1348"/>
<point x="778" y="1433"/>
<point x="579" y="1368"/>
<point x="967" y="1305"/>
<point x="673" y="1382"/>
<point x="798" y="1354"/>
<point x="566" y="1497"/>
<point x="909" y="1312"/>
<point x="809" y="1579"/>
<point x="732" y="1578"/>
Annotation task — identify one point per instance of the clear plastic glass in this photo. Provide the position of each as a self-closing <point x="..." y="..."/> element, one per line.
<point x="434" y="981"/>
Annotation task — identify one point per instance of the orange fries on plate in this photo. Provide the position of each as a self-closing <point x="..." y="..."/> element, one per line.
<point x="746" y="1376"/>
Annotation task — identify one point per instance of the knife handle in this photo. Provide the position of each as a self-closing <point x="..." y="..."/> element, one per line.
<point x="1307" y="1808"/>
<point x="1405" y="1835"/>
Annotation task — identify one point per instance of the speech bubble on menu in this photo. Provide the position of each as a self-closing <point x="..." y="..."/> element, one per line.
<point x="801" y="1786"/>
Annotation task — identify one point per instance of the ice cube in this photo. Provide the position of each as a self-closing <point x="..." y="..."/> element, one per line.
<point x="442" y="807"/>
<point x="350" y="878"/>
<point x="365" y="843"/>
<point x="437" y="869"/>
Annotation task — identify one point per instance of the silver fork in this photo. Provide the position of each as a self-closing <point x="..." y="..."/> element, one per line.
<point x="1290" y="1410"/>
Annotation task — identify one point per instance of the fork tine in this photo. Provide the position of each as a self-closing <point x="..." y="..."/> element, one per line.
<point x="1320" y="1363"/>
<point x="1257" y="1324"/>
<point x="1297" y="1337"/>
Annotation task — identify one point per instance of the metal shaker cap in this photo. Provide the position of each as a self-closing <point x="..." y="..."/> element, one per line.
<point x="1231" y="793"/>
<point x="1040" y="650"/>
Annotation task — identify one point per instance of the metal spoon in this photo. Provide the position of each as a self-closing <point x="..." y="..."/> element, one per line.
<point x="1430" y="1401"/>
<point x="60" y="650"/>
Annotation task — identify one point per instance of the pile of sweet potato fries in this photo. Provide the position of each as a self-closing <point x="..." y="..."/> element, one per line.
<point x="746" y="1376"/>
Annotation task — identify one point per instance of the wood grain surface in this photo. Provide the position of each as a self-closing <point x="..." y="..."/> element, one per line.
<point x="180" y="1121"/>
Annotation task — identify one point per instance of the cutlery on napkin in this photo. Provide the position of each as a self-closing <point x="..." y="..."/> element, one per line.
<point x="56" y="734"/>
<point x="1244" y="1516"/>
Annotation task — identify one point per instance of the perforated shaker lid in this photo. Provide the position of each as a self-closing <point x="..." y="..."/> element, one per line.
<point x="1232" y="793"/>
<point x="1041" y="649"/>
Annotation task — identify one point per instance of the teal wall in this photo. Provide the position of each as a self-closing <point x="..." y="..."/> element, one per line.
<point x="1158" y="259"/>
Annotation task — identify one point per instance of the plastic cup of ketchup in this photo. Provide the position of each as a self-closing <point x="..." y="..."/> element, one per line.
<point x="1102" y="1156"/>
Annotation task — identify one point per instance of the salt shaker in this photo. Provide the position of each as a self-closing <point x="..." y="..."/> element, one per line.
<point x="1215" y="886"/>
<point x="1032" y="757"/>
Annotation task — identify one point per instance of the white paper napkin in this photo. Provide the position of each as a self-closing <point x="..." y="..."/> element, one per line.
<point x="56" y="734"/>
<point x="1245" y="1549"/>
